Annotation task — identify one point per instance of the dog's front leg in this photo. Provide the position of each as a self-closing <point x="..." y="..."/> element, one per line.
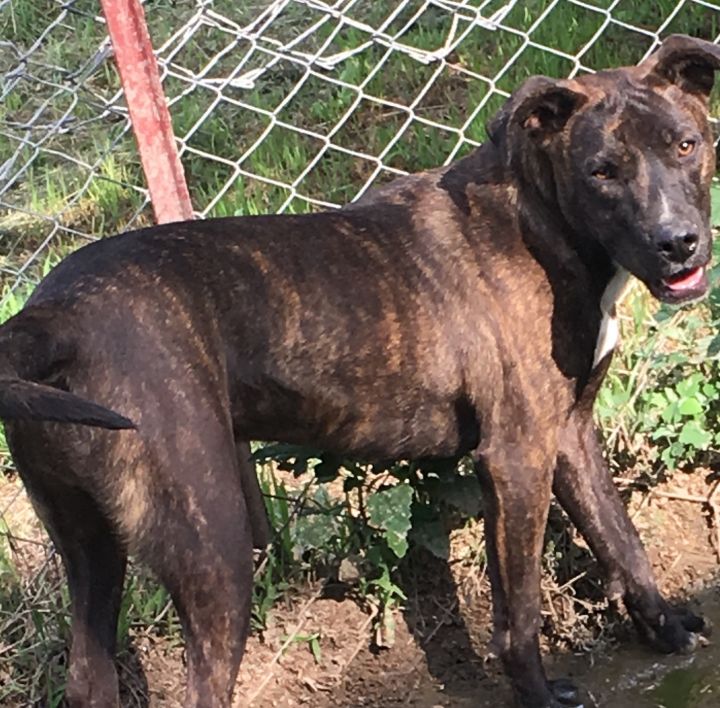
<point x="585" y="489"/>
<point x="254" y="500"/>
<point x="516" y="497"/>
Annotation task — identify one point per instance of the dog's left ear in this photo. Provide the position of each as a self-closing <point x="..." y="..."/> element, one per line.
<point x="686" y="62"/>
<point x="537" y="111"/>
<point x="543" y="106"/>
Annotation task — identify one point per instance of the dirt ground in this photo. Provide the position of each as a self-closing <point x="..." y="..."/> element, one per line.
<point x="440" y="655"/>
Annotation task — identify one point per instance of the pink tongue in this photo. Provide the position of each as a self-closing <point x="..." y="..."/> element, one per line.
<point x="686" y="281"/>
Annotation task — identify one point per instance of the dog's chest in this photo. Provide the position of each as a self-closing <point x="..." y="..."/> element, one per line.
<point x="609" y="331"/>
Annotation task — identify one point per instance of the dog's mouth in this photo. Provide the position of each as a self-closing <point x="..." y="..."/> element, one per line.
<point x="689" y="284"/>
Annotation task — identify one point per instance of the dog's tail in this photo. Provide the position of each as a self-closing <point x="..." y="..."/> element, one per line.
<point x="28" y="348"/>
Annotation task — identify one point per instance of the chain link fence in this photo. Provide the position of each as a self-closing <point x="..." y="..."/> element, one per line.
<point x="277" y="106"/>
<point x="283" y="106"/>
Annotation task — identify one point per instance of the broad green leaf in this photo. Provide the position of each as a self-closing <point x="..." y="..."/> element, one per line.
<point x="389" y="509"/>
<point x="688" y="387"/>
<point x="313" y="531"/>
<point x="710" y="390"/>
<point x="671" y="412"/>
<point x="692" y="434"/>
<point x="690" y="406"/>
<point x="662" y="432"/>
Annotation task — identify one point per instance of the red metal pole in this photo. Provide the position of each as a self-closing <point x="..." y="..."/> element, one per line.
<point x="148" y="110"/>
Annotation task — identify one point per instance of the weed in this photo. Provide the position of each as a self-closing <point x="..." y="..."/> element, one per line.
<point x="333" y="518"/>
<point x="313" y="642"/>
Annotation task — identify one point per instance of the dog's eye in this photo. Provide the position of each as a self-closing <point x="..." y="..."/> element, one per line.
<point x="686" y="148"/>
<point x="604" y="173"/>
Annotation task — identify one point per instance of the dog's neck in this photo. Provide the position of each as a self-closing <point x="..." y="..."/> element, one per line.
<point x="558" y="247"/>
<point x="576" y="265"/>
<point x="569" y="257"/>
<point x="550" y="236"/>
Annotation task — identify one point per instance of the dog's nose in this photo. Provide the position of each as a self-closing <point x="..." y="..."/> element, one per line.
<point x="677" y="248"/>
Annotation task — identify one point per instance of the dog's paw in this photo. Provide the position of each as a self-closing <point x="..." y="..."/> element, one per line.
<point x="560" y="693"/>
<point x="676" y="630"/>
<point x="565" y="693"/>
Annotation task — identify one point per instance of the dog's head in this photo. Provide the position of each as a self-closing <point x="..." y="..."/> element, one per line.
<point x="627" y="156"/>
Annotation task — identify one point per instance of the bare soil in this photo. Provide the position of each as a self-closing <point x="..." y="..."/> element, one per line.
<point x="440" y="655"/>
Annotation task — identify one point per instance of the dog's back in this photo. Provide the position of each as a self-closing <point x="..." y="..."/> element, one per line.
<point x="362" y="331"/>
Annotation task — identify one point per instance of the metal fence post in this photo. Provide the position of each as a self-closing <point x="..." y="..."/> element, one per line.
<point x="148" y="110"/>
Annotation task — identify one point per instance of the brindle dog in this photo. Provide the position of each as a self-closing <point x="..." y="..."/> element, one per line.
<point x="468" y="309"/>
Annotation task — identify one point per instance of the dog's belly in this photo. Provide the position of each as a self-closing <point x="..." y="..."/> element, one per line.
<point x="370" y="429"/>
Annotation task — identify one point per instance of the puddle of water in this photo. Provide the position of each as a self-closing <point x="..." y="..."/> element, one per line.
<point x="689" y="687"/>
<point x="634" y="677"/>
<point x="630" y="676"/>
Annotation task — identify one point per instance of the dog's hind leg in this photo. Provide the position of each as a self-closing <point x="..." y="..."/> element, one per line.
<point x="585" y="489"/>
<point x="95" y="563"/>
<point x="516" y="497"/>
<point x="199" y="542"/>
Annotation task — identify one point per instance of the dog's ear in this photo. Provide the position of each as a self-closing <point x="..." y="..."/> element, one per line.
<point x="544" y="105"/>
<point x="687" y="62"/>
<point x="538" y="109"/>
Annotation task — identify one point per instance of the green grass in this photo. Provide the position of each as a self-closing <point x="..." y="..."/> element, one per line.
<point x="390" y="87"/>
<point x="383" y="92"/>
